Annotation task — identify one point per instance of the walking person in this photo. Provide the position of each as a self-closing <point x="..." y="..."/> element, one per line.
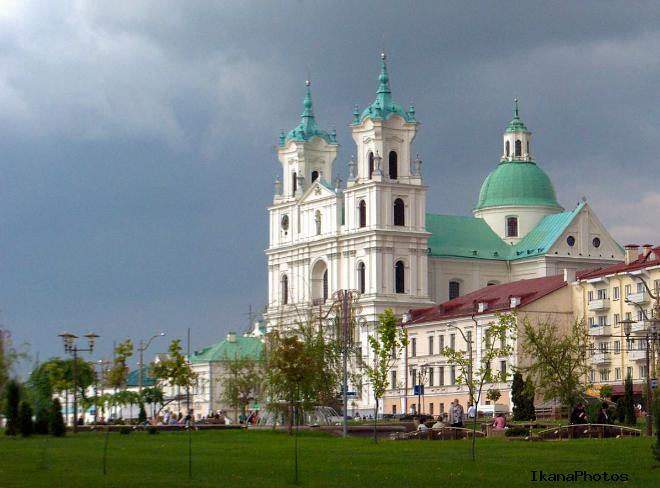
<point x="456" y="414"/>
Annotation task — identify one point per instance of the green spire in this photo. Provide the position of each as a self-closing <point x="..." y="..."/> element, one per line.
<point x="308" y="127"/>
<point x="383" y="107"/>
<point x="516" y="125"/>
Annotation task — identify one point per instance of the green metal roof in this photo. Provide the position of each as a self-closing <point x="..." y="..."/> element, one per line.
<point x="133" y="380"/>
<point x="516" y="124"/>
<point x="471" y="237"/>
<point x="308" y="126"/>
<point x="241" y="347"/>
<point x="383" y="107"/>
<point x="517" y="183"/>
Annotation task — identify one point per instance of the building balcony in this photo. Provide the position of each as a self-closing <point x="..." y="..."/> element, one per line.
<point x="599" y="304"/>
<point x="640" y="326"/>
<point x="640" y="297"/>
<point x="599" y="330"/>
<point x="637" y="355"/>
<point x="601" y="357"/>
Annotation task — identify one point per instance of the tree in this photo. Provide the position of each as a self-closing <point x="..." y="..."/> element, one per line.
<point x="25" y="424"/>
<point x="389" y="337"/>
<point x="9" y="356"/>
<point x="117" y="375"/>
<point x="175" y="370"/>
<point x="522" y="394"/>
<point x="55" y="419"/>
<point x="606" y="391"/>
<point x="153" y="395"/>
<point x="41" y="421"/>
<point x="241" y="382"/>
<point x="493" y="395"/>
<point x="142" y="414"/>
<point x="655" y="449"/>
<point x="12" y="398"/>
<point x="628" y="402"/>
<point x="558" y="361"/>
<point x="475" y="380"/>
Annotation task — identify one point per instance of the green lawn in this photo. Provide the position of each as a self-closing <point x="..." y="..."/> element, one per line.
<point x="265" y="458"/>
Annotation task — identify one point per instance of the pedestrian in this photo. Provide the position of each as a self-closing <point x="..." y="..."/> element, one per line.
<point x="472" y="410"/>
<point x="579" y="415"/>
<point x="456" y="414"/>
<point x="603" y="415"/>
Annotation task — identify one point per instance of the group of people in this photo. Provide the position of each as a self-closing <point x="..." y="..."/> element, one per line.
<point x="579" y="414"/>
<point x="456" y="417"/>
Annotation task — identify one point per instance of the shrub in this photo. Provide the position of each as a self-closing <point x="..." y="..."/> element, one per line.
<point x="629" y="404"/>
<point x="620" y="411"/>
<point x="25" y="424"/>
<point x="55" y="420"/>
<point x="592" y="412"/>
<point x="41" y="422"/>
<point x="142" y="416"/>
<point x="606" y="391"/>
<point x="516" y="432"/>
<point x="152" y="429"/>
<point x="12" y="396"/>
<point x="125" y="430"/>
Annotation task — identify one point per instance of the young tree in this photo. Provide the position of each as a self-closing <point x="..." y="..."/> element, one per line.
<point x="558" y="361"/>
<point x="628" y="402"/>
<point x="389" y="337"/>
<point x="55" y="419"/>
<point x="41" y="421"/>
<point x="9" y="356"/>
<point x="25" y="424"/>
<point x="175" y="370"/>
<point x="522" y="394"/>
<point x="241" y="382"/>
<point x="606" y="391"/>
<point x="117" y="375"/>
<point x="476" y="379"/>
<point x="12" y="398"/>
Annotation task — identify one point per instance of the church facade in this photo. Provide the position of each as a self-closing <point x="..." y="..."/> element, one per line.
<point x="374" y="234"/>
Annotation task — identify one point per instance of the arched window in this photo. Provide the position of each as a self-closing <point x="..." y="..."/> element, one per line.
<point x="399" y="277"/>
<point x="324" y="290"/>
<point x="362" y="209"/>
<point x="317" y="221"/>
<point x="315" y="175"/>
<point x="294" y="183"/>
<point x="507" y="148"/>
<point x="285" y="289"/>
<point x="512" y="226"/>
<point x="399" y="212"/>
<point x="518" y="148"/>
<point x="394" y="167"/>
<point x="454" y="289"/>
<point x="371" y="164"/>
<point x="361" y="276"/>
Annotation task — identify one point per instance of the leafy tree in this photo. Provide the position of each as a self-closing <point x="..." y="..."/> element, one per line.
<point x="493" y="395"/>
<point x="558" y="361"/>
<point x="628" y="402"/>
<point x="25" y="424"/>
<point x="389" y="337"/>
<point x="55" y="419"/>
<point x="117" y="375"/>
<point x="41" y="421"/>
<point x="153" y="395"/>
<point x="9" y="356"/>
<point x="522" y="394"/>
<point x="606" y="391"/>
<point x="476" y="379"/>
<point x="142" y="414"/>
<point x="175" y="370"/>
<point x="241" y="382"/>
<point x="12" y="398"/>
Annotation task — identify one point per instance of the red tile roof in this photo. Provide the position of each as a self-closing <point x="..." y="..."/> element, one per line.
<point x="498" y="298"/>
<point x="651" y="259"/>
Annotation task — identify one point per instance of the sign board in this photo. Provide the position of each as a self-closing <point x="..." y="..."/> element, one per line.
<point x="419" y="390"/>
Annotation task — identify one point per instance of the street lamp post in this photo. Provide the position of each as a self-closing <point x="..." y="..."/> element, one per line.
<point x="72" y="349"/>
<point x="141" y="348"/>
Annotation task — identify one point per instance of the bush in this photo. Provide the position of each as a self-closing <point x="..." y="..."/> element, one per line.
<point x="152" y="429"/>
<point x="142" y="416"/>
<point x="12" y="397"/>
<point x="620" y="411"/>
<point x="125" y="430"/>
<point x="517" y="432"/>
<point x="592" y="412"/>
<point x="25" y="424"/>
<point x="55" y="420"/>
<point x="41" y="422"/>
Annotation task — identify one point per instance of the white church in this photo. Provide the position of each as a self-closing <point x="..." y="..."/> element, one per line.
<point x="375" y="235"/>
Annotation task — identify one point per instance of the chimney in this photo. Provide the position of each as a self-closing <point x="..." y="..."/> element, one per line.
<point x="647" y="250"/>
<point x="632" y="251"/>
<point x="569" y="275"/>
<point x="483" y="306"/>
<point x="514" y="301"/>
<point x="231" y="336"/>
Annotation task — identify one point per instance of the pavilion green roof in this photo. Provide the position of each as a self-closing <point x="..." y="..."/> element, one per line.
<point x="241" y="347"/>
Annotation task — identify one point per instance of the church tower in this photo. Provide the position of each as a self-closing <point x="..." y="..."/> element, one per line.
<point x="518" y="194"/>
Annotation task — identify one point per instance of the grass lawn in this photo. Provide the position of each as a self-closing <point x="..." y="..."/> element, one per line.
<point x="265" y="458"/>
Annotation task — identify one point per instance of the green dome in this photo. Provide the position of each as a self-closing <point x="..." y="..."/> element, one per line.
<point x="517" y="183"/>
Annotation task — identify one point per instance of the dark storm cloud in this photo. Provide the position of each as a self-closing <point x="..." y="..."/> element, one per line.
<point x="136" y="138"/>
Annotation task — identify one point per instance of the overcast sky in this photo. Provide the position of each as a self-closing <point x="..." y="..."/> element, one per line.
<point x="137" y="138"/>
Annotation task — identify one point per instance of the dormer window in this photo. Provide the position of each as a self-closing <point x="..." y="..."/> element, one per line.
<point x="512" y="226"/>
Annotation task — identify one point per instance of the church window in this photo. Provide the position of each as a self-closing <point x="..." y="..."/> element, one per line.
<point x="399" y="277"/>
<point x="596" y="242"/>
<point x="394" y="170"/>
<point x="285" y="289"/>
<point x="371" y="164"/>
<point x="507" y="149"/>
<point x="324" y="290"/>
<point x="570" y="240"/>
<point x="361" y="277"/>
<point x="454" y="289"/>
<point x="512" y="226"/>
<point x="317" y="221"/>
<point x="399" y="212"/>
<point x="362" y="210"/>
<point x="294" y="183"/>
<point x="315" y="175"/>
<point x="518" y="148"/>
